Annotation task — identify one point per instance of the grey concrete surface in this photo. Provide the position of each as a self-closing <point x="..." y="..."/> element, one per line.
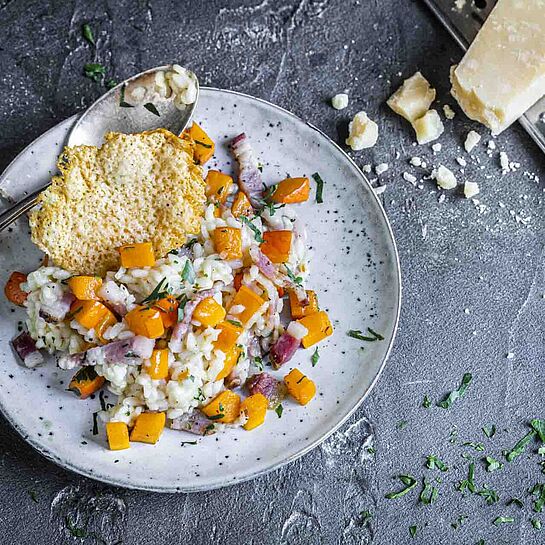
<point x="486" y="257"/>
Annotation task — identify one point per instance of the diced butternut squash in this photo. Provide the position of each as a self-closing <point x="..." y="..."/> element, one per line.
<point x="300" y="387"/>
<point x="218" y="186"/>
<point x="148" y="427"/>
<point x="277" y="245"/>
<point x="319" y="327"/>
<point x="168" y="308"/>
<point x="255" y="406"/>
<point x="209" y="312"/>
<point x="86" y="382"/>
<point x="241" y="205"/>
<point x="91" y="314"/>
<point x="137" y="255"/>
<point x="228" y="242"/>
<point x="231" y="358"/>
<point x="228" y="337"/>
<point x="218" y="210"/>
<point x="118" y="435"/>
<point x="204" y="146"/>
<point x="12" y="290"/>
<point x="145" y="321"/>
<point x="85" y="288"/>
<point x="250" y="301"/>
<point x="298" y="310"/>
<point x="291" y="190"/>
<point x="224" y="408"/>
<point x="158" y="364"/>
<point x="108" y="321"/>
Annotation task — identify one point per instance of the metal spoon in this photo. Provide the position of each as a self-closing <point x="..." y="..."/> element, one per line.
<point x="130" y="107"/>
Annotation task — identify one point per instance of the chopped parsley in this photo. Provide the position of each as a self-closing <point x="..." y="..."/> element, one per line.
<point x="409" y="481"/>
<point x="234" y="322"/>
<point x="468" y="483"/>
<point x="456" y="394"/>
<point x="433" y="462"/>
<point x="428" y="494"/>
<point x="319" y="188"/>
<point x="492" y="464"/>
<point x="401" y="424"/>
<point x="257" y="233"/>
<point x="150" y="107"/>
<point x="94" y="71"/>
<point x="516" y="501"/>
<point x="216" y="416"/>
<point x="279" y="410"/>
<point x="357" y="334"/>
<point x="87" y="33"/>
<point x="491" y="496"/>
<point x="426" y="403"/>
<point x="489" y="431"/>
<point x="412" y="531"/>
<point x="295" y="279"/>
<point x="503" y="520"/>
<point x="33" y="496"/>
<point x="459" y="522"/>
<point x="188" y="272"/>
<point x="160" y="291"/>
<point x="520" y="446"/>
<point x="538" y="489"/>
<point x="203" y="144"/>
<point x="258" y="362"/>
<point x="539" y="427"/>
<point x="315" y="357"/>
<point x="479" y="447"/>
<point x="536" y="524"/>
<point x="366" y="517"/>
<point x="110" y="84"/>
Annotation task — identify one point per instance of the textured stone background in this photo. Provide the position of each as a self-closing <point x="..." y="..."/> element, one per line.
<point x="455" y="255"/>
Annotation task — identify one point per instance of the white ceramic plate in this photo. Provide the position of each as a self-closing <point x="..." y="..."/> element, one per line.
<point x="355" y="270"/>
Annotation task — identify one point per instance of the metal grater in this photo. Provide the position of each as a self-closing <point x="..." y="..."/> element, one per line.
<point x="463" y="19"/>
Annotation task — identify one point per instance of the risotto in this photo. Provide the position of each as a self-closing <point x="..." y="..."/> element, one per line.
<point x="183" y="340"/>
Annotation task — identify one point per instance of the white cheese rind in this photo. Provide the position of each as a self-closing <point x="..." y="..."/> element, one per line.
<point x="413" y="99"/>
<point x="503" y="72"/>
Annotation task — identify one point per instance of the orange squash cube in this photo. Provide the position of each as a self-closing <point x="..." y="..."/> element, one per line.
<point x="255" y="406"/>
<point x="85" y="382"/>
<point x="85" y="288"/>
<point x="224" y="408"/>
<point x="250" y="301"/>
<point x="241" y="205"/>
<point x="300" y="387"/>
<point x="108" y="321"/>
<point x="90" y="314"/>
<point x="277" y="245"/>
<point x="209" y="312"/>
<point x="218" y="186"/>
<point x="148" y="427"/>
<point x="228" y="337"/>
<point x="204" y="146"/>
<point x="137" y="255"/>
<point x="145" y="321"/>
<point x="319" y="327"/>
<point x="168" y="308"/>
<point x="118" y="435"/>
<point x="231" y="358"/>
<point x="158" y="364"/>
<point x="228" y="242"/>
<point x="291" y="190"/>
<point x="298" y="310"/>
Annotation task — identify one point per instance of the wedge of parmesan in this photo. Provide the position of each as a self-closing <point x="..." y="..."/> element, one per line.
<point x="141" y="187"/>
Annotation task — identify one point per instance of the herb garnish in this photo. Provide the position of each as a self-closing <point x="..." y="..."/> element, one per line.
<point x="357" y="334"/>
<point x="428" y="494"/>
<point x="160" y="291"/>
<point x="536" y="524"/>
<point x="182" y="302"/>
<point x="33" y="496"/>
<point x="122" y="102"/>
<point x="426" y="403"/>
<point x="503" y="520"/>
<point x="87" y="33"/>
<point x="258" y="362"/>
<point x="489" y="431"/>
<point x="319" y="187"/>
<point x="216" y="416"/>
<point x="516" y="501"/>
<point x="203" y="144"/>
<point x="295" y="279"/>
<point x="409" y="481"/>
<point x="518" y="449"/>
<point x="76" y="532"/>
<point x="412" y="531"/>
<point x="433" y="462"/>
<point x="468" y="483"/>
<point x="479" y="447"/>
<point x="490" y="496"/>
<point x="110" y="84"/>
<point x="315" y="357"/>
<point x="540" y="502"/>
<point x="94" y="71"/>
<point x="459" y="522"/>
<point x="234" y="322"/>
<point x="492" y="464"/>
<point x="456" y="394"/>
<point x="539" y="427"/>
<point x="253" y="228"/>
<point x="188" y="272"/>
<point x="279" y="410"/>
<point x="150" y="107"/>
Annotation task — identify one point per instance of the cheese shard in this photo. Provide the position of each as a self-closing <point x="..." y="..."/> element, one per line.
<point x="428" y="127"/>
<point x="413" y="99"/>
<point x="503" y="72"/>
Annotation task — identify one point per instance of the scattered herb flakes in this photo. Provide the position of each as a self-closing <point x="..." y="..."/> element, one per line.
<point x="492" y="464"/>
<point x="453" y="435"/>
<point x="516" y="502"/>
<point x="459" y="522"/>
<point x="295" y="279"/>
<point x="315" y="357"/>
<point x="412" y="531"/>
<point x="87" y="33"/>
<point x="279" y="410"/>
<point x="95" y="424"/>
<point x="432" y="462"/>
<point x="94" y="71"/>
<point x="401" y="424"/>
<point x="150" y="107"/>
<point x="110" y="84"/>
<point x="409" y="481"/>
<point x="74" y="530"/>
<point x="468" y="483"/>
<point x="536" y="524"/>
<point x="188" y="272"/>
<point x="319" y="188"/>
<point x="33" y="496"/>
<point x="503" y="520"/>
<point x="160" y="291"/>
<point x="366" y="517"/>
<point x="479" y="447"/>
<point x="456" y="394"/>
<point x="481" y="542"/>
<point x="518" y="449"/>
<point x="357" y="334"/>
<point x="539" y="427"/>
<point x="538" y="489"/>
<point x="489" y="431"/>
<point x="203" y="144"/>
<point x="234" y="322"/>
<point x="491" y="496"/>
<point x="371" y="450"/>
<point x="122" y="102"/>
<point x="429" y="493"/>
<point x="426" y="403"/>
<point x="257" y="233"/>
<point x="258" y="362"/>
<point x="376" y="335"/>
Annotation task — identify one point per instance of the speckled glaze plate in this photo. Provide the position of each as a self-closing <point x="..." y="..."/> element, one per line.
<point x="355" y="270"/>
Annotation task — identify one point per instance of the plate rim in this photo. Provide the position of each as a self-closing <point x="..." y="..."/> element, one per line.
<point x="65" y="464"/>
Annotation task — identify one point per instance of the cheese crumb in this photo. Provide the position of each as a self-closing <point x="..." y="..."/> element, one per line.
<point x="436" y="147"/>
<point x="461" y="161"/>
<point x="428" y="128"/>
<point x="471" y="189"/>
<point x="413" y="99"/>
<point x="510" y="355"/>
<point x="491" y="145"/>
<point x="409" y="177"/>
<point x="504" y="162"/>
<point x="363" y="133"/>
<point x="366" y="168"/>
<point x="415" y="161"/>
<point x="340" y="101"/>
<point x="472" y="139"/>
<point x="448" y="111"/>
<point x="444" y="177"/>
<point x="381" y="168"/>
<point x="379" y="190"/>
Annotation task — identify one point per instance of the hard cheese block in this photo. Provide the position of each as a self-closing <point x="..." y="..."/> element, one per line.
<point x="503" y="72"/>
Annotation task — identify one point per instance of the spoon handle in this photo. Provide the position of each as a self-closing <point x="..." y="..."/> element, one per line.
<point x="17" y="210"/>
